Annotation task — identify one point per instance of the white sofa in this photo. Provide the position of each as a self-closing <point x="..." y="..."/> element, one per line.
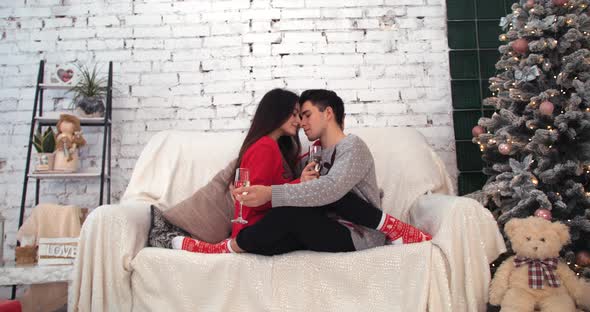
<point x="114" y="270"/>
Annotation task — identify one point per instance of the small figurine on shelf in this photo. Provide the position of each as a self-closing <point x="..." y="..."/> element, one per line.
<point x="69" y="139"/>
<point x="45" y="145"/>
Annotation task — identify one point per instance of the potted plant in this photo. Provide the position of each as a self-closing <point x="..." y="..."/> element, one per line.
<point x="45" y="145"/>
<point x="89" y="93"/>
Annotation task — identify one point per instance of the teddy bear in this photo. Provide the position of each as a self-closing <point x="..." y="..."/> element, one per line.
<point x="69" y="139"/>
<point x="535" y="277"/>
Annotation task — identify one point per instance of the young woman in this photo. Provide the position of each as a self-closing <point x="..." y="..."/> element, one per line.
<point x="270" y="152"/>
<point x="271" y="149"/>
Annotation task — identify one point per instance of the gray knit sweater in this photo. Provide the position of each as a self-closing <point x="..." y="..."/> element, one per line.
<point x="353" y="169"/>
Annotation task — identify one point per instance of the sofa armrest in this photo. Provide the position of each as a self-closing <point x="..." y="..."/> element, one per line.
<point x="469" y="237"/>
<point x="110" y="238"/>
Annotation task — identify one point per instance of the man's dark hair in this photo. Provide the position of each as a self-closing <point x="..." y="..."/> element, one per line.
<point x="321" y="99"/>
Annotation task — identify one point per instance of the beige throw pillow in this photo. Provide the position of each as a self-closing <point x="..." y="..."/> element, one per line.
<point x="206" y="214"/>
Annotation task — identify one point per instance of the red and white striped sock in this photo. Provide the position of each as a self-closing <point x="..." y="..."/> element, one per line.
<point x="193" y="245"/>
<point x="397" y="231"/>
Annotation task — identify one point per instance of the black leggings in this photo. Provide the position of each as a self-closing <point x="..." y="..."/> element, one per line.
<point x="286" y="229"/>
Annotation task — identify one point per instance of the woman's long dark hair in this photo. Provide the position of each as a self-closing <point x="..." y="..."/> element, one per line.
<point x="274" y="109"/>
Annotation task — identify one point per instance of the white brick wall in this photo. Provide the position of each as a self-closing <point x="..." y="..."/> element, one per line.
<point x="202" y="65"/>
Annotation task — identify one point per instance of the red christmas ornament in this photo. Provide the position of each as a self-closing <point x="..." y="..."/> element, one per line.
<point x="477" y="130"/>
<point x="530" y="3"/>
<point x="520" y="46"/>
<point x="505" y="148"/>
<point x="560" y="2"/>
<point x="546" y="108"/>
<point x="544" y="213"/>
<point x="583" y="258"/>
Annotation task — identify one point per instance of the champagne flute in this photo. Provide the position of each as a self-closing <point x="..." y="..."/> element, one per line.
<point x="315" y="155"/>
<point x="242" y="179"/>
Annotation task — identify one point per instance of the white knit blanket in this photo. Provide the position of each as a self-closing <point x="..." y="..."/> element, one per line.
<point x="114" y="272"/>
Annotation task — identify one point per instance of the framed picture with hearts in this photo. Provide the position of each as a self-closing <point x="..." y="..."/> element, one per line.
<point x="66" y="75"/>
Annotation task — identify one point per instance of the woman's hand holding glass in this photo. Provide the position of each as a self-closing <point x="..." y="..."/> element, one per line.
<point x="253" y="196"/>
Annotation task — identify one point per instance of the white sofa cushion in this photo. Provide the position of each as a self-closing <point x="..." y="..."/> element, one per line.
<point x="406" y="167"/>
<point x="175" y="164"/>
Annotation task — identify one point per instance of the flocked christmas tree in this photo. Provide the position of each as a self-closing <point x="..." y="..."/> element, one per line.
<point x="536" y="146"/>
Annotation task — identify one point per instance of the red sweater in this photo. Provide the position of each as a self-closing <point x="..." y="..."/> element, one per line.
<point x="267" y="167"/>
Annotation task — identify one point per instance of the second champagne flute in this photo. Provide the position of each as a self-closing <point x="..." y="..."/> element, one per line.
<point x="315" y="155"/>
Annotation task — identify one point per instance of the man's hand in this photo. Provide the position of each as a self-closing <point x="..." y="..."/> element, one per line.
<point x="253" y="196"/>
<point x="309" y="172"/>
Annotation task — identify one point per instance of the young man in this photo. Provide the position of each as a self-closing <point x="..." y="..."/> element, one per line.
<point x="305" y="215"/>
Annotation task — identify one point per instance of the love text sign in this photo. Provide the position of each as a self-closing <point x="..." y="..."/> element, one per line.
<point x="57" y="250"/>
